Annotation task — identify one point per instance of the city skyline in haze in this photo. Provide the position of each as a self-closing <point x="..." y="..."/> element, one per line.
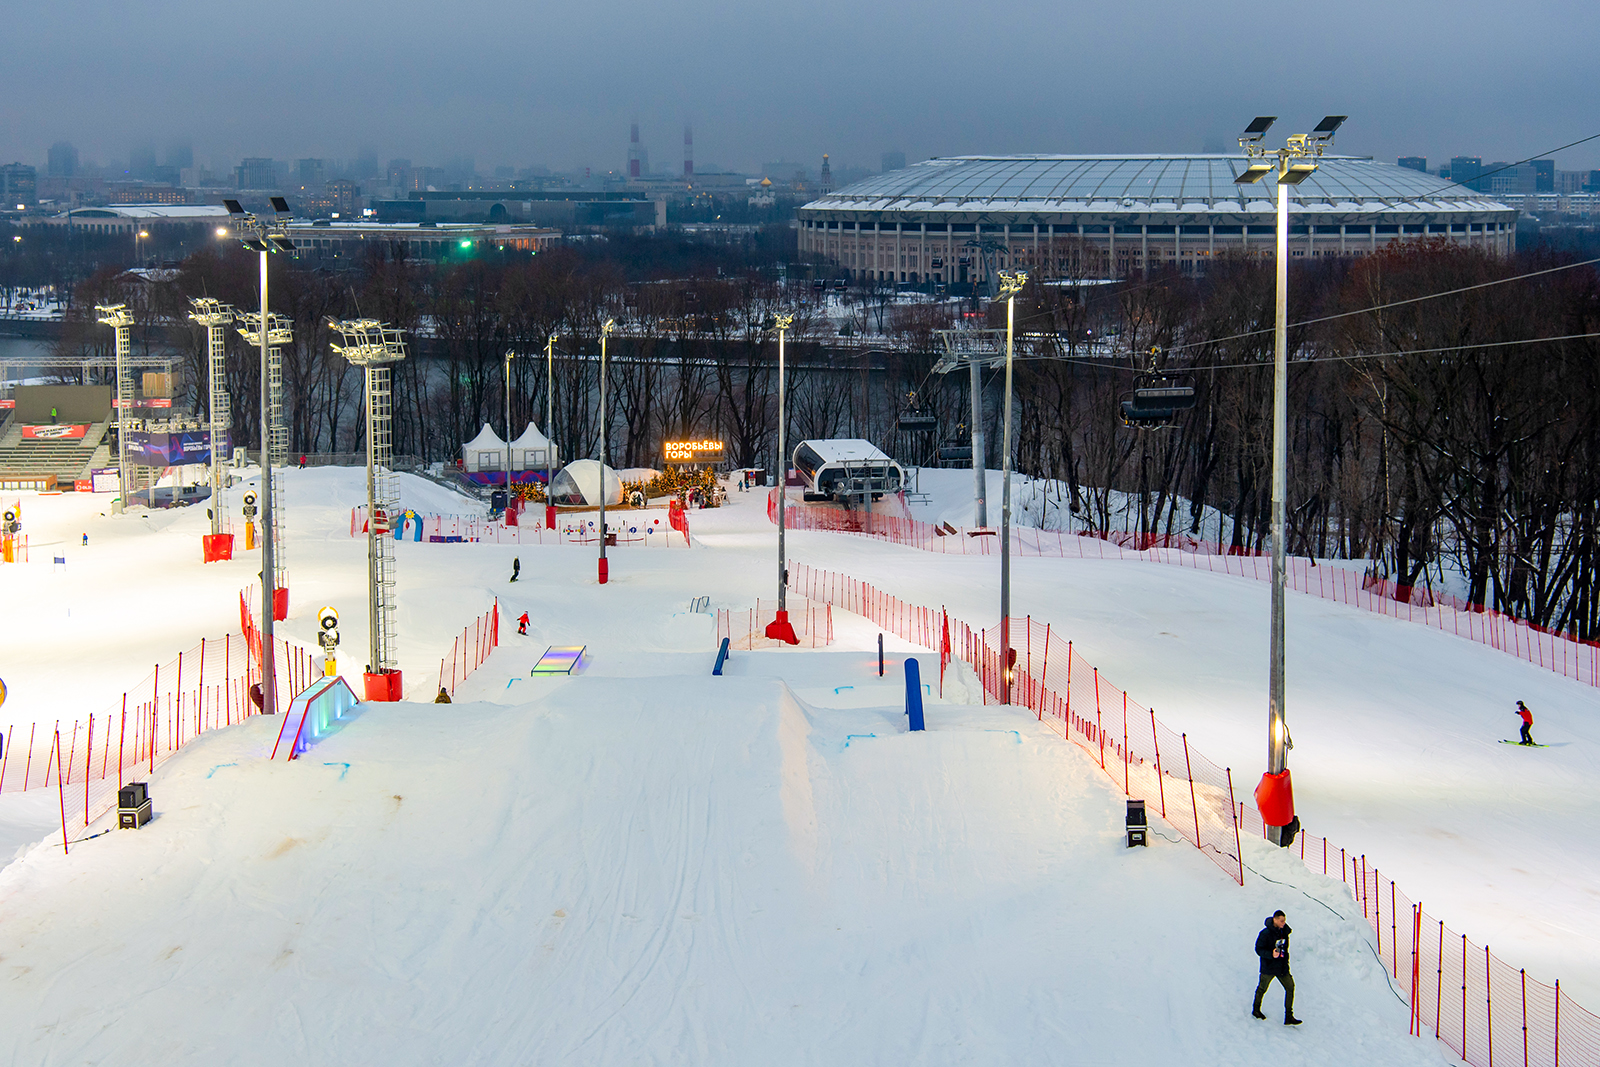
<point x="507" y="85"/>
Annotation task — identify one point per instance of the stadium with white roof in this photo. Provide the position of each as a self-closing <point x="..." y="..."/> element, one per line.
<point x="1107" y="216"/>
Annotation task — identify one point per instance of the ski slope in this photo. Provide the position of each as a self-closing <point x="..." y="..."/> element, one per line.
<point x="737" y="882"/>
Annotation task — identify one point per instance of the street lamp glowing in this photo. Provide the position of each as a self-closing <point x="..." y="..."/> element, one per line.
<point x="605" y="331"/>
<point x="781" y="629"/>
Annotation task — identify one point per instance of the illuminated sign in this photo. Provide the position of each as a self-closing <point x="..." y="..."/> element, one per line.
<point x="693" y="451"/>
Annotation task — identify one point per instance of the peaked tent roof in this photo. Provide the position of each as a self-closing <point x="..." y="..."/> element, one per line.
<point x="531" y="438"/>
<point x="486" y="439"/>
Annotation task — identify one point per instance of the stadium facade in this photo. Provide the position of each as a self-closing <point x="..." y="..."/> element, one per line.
<point x="942" y="220"/>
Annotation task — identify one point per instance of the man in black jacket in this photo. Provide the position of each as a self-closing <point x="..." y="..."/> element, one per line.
<point x="1272" y="945"/>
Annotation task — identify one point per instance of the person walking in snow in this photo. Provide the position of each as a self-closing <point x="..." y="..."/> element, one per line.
<point x="522" y="624"/>
<point x="1272" y="945"/>
<point x="516" y="567"/>
<point x="1527" y="723"/>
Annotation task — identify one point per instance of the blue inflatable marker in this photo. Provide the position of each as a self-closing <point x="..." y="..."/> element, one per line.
<point x="914" y="693"/>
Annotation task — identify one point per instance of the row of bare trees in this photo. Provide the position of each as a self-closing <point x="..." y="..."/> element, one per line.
<point x="1427" y="435"/>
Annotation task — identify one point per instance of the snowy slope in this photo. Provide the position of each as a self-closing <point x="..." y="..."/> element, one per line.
<point x="667" y="869"/>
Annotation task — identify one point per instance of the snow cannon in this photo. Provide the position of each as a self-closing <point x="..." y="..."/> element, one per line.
<point x="781" y="629"/>
<point x="1275" y="800"/>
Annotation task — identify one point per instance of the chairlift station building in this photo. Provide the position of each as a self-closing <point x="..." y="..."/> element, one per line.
<point x="1108" y="216"/>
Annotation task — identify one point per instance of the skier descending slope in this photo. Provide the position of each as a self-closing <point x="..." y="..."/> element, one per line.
<point x="1272" y="945"/>
<point x="1527" y="723"/>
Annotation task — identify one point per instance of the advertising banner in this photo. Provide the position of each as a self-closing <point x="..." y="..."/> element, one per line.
<point x="146" y="402"/>
<point x="154" y="449"/>
<point x="56" y="432"/>
<point x="105" y="479"/>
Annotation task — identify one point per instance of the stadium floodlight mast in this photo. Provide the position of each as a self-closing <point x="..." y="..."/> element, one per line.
<point x="605" y="331"/>
<point x="120" y="319"/>
<point x="510" y="355"/>
<point x="374" y="347"/>
<point x="265" y="237"/>
<point x="781" y="629"/>
<point x="214" y="315"/>
<point x="549" y="430"/>
<point x="1011" y="283"/>
<point x="1290" y="166"/>
<point x="972" y="348"/>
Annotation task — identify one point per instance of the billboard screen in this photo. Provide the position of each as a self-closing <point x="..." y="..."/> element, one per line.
<point x="154" y="449"/>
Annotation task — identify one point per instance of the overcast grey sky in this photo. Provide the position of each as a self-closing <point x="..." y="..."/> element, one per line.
<point x="556" y="85"/>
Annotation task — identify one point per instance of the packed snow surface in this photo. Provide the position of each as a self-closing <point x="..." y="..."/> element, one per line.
<point x="646" y="864"/>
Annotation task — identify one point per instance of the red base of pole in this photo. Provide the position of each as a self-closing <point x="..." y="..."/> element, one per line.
<point x="605" y="570"/>
<point x="280" y="604"/>
<point x="382" y="686"/>
<point x="216" y="547"/>
<point x="549" y="516"/>
<point x="780" y="629"/>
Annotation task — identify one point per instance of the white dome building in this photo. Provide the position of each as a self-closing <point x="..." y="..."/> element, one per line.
<point x="578" y="484"/>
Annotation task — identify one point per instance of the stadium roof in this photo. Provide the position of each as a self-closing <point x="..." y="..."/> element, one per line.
<point x="1145" y="183"/>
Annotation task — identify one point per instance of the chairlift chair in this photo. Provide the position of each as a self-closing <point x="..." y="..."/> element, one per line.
<point x="1156" y="400"/>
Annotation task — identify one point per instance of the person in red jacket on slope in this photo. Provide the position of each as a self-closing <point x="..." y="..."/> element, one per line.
<point x="522" y="624"/>
<point x="1527" y="723"/>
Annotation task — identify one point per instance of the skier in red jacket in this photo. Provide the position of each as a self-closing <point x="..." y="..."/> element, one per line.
<point x="522" y="624"/>
<point x="1527" y="723"/>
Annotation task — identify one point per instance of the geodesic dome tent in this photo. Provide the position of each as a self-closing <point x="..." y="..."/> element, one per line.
<point x="578" y="483"/>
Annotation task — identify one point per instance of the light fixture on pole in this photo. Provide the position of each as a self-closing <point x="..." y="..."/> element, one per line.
<point x="605" y="331"/>
<point x="1288" y="164"/>
<point x="973" y="347"/>
<point x="138" y="238"/>
<point x="214" y="316"/>
<point x="120" y="319"/>
<point x="265" y="237"/>
<point x="781" y="629"/>
<point x="374" y="346"/>
<point x="1011" y="283"/>
<point x="510" y="354"/>
<point x="549" y="430"/>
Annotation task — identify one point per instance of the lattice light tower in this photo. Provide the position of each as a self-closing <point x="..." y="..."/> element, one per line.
<point x="374" y="346"/>
<point x="120" y="319"/>
<point x="978" y="350"/>
<point x="280" y="332"/>
<point x="215" y="316"/>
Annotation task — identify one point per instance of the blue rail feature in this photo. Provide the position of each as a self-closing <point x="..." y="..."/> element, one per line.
<point x="313" y="715"/>
<point x="914" y="693"/>
<point x="722" y="657"/>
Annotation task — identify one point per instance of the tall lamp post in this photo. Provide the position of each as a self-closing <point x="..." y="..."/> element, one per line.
<point x="781" y="629"/>
<point x="264" y="237"/>
<point x="510" y="354"/>
<point x="1011" y="283"/>
<point x="549" y="430"/>
<point x="605" y="331"/>
<point x="1289" y="166"/>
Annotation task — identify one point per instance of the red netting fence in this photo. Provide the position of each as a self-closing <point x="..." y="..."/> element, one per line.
<point x="1481" y="1007"/>
<point x="477" y="640"/>
<point x="87" y="758"/>
<point x="1561" y="653"/>
<point x="747" y="629"/>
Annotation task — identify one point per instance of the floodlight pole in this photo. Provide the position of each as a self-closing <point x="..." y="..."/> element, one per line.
<point x="509" y="354"/>
<point x="120" y="319"/>
<point x="605" y="331"/>
<point x="979" y="460"/>
<point x="1010" y="283"/>
<point x="781" y="629"/>
<point x="269" y="593"/>
<point x="549" y="430"/>
<point x="1281" y="163"/>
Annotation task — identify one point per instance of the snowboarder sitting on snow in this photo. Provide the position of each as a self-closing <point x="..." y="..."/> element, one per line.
<point x="443" y="697"/>
<point x="516" y="567"/>
<point x="1272" y="945"/>
<point x="522" y="624"/>
<point x="1527" y="723"/>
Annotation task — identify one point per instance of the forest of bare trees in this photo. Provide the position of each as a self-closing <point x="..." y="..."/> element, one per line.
<point x="1427" y="435"/>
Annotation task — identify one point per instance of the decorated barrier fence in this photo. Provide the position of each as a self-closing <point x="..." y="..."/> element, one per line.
<point x="1483" y="1009"/>
<point x="85" y="759"/>
<point x="1561" y="653"/>
<point x="649" y="528"/>
<point x="747" y="629"/>
<point x="478" y="639"/>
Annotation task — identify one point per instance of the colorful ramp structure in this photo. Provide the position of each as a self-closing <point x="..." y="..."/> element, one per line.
<point x="312" y="715"/>
<point x="559" y="659"/>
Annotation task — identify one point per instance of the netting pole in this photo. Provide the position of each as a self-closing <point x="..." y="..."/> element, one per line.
<point x="61" y="793"/>
<point x="1558" y="1022"/>
<point x="1099" y="733"/>
<point x="1524" y="975"/>
<point x="1416" y="1008"/>
<point x="1125" y="754"/>
<point x="1233" y="813"/>
<point x="1438" y="989"/>
<point x="1193" y="805"/>
<point x="1069" y="681"/>
<point x="1394" y="933"/>
<point x="1161" y="785"/>
<point x="1488" y="1002"/>
<point x="122" y="735"/>
<point x="1463" y="996"/>
<point x="1044" y="670"/>
<point x="88" y="768"/>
